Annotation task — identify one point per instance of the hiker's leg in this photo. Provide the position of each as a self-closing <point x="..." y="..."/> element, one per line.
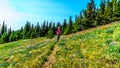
<point x="57" y="38"/>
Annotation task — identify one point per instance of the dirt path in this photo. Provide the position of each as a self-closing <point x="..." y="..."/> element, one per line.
<point x="50" y="62"/>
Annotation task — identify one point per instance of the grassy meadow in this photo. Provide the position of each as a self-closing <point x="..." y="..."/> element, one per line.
<point x="29" y="53"/>
<point x="98" y="48"/>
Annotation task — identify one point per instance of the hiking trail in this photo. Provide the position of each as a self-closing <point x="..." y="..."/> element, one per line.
<point x="49" y="63"/>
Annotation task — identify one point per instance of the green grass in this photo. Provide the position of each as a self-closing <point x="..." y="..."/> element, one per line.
<point x="99" y="48"/>
<point x="95" y="49"/>
<point x="25" y="53"/>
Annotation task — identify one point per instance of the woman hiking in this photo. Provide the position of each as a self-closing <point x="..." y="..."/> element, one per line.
<point x="58" y="32"/>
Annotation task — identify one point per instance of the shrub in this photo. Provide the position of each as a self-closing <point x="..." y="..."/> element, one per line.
<point x="118" y="38"/>
<point x="108" y="41"/>
<point x="110" y="30"/>
<point x="50" y="34"/>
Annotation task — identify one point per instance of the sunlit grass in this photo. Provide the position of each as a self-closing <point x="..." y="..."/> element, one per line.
<point x="29" y="53"/>
<point x="94" y="49"/>
<point x="97" y="48"/>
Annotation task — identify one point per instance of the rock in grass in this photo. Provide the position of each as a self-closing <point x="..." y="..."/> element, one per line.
<point x="113" y="43"/>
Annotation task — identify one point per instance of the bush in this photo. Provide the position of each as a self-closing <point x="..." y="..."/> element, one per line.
<point x="118" y="38"/>
<point x="110" y="30"/>
<point x="50" y="34"/>
<point x="108" y="41"/>
<point x="114" y="49"/>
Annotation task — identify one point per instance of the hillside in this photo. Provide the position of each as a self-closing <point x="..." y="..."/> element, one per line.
<point x="98" y="48"/>
<point x="95" y="47"/>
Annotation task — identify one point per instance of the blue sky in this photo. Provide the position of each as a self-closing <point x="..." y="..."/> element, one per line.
<point x="17" y="12"/>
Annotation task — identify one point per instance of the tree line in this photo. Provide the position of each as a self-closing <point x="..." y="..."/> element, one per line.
<point x="108" y="11"/>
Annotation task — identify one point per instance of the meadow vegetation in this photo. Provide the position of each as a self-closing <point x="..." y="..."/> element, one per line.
<point x="99" y="48"/>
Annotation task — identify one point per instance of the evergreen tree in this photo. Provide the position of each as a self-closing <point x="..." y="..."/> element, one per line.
<point x="108" y="12"/>
<point x="9" y="33"/>
<point x="43" y="28"/>
<point x="21" y="33"/>
<point x="78" y="23"/>
<point x="11" y="37"/>
<point x="4" y="38"/>
<point x="54" y="28"/>
<point x="33" y="32"/>
<point x="3" y="28"/>
<point x="50" y="33"/>
<point x="102" y="7"/>
<point x="50" y="25"/>
<point x="117" y="10"/>
<point x="100" y="17"/>
<point x="114" y="4"/>
<point x="69" y="27"/>
<point x="4" y="35"/>
<point x="16" y="35"/>
<point x="46" y="28"/>
<point x="37" y="29"/>
<point x="27" y="30"/>
<point x="90" y="14"/>
<point x="64" y="26"/>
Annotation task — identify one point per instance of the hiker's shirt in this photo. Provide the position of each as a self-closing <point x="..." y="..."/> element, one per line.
<point x="58" y="32"/>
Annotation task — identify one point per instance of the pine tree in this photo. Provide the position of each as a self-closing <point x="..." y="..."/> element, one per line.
<point x="69" y="27"/>
<point x="117" y="10"/>
<point x="50" y="33"/>
<point x="11" y="38"/>
<point x="26" y="31"/>
<point x="4" y="38"/>
<point x="47" y="27"/>
<point x="114" y="4"/>
<point x="108" y="11"/>
<point x="78" y="23"/>
<point x="90" y="14"/>
<point x="3" y="28"/>
<point x="37" y="29"/>
<point x="9" y="33"/>
<point x="33" y="32"/>
<point x="43" y="28"/>
<point x="16" y="35"/>
<point x="21" y="33"/>
<point x="100" y="17"/>
<point x="54" y="29"/>
<point x="4" y="35"/>
<point x="64" y="26"/>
